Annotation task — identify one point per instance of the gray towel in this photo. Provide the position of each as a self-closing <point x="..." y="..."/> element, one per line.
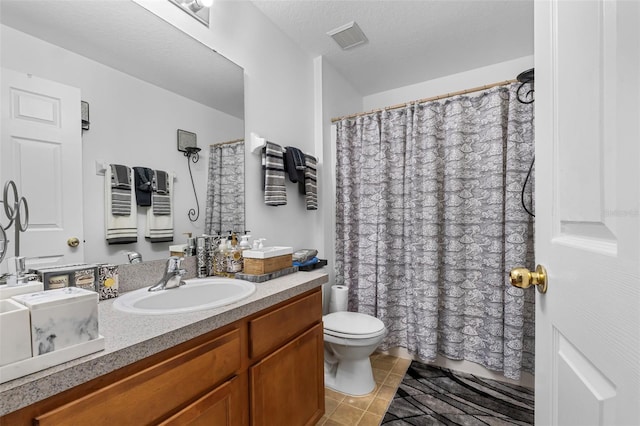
<point x="161" y="204"/>
<point x="160" y="184"/>
<point x="120" y="176"/>
<point x="310" y="182"/>
<point x="159" y="226"/>
<point x="120" y="214"/>
<point x="275" y="193"/>
<point x="161" y="200"/>
<point x="120" y="190"/>
<point x="143" y="178"/>
<point x="294" y="164"/>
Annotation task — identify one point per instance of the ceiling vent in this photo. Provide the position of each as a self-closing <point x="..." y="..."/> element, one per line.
<point x="348" y="35"/>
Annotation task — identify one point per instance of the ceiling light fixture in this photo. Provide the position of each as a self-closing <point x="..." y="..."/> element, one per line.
<point x="199" y="9"/>
<point x="348" y="36"/>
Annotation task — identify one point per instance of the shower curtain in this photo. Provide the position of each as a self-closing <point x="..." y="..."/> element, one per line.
<point x="429" y="222"/>
<point x="225" y="189"/>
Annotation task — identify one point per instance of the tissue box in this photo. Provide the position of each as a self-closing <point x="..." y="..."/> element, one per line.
<point x="61" y="318"/>
<point x="15" y="335"/>
<point x="107" y="281"/>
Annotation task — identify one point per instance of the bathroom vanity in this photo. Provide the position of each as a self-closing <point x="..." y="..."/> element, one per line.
<point x="256" y="362"/>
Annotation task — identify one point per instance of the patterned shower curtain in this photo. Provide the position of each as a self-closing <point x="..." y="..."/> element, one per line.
<point x="429" y="222"/>
<point x="225" y="189"/>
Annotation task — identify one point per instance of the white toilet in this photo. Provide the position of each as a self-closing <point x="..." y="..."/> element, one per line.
<point x="349" y="339"/>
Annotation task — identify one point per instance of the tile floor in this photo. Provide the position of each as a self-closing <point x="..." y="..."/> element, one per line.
<point x="368" y="410"/>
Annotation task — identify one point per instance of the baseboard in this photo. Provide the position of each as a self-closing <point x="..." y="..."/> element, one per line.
<point x="526" y="379"/>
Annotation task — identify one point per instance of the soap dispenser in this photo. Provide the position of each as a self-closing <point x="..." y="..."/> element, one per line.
<point x="244" y="242"/>
<point x="220" y="259"/>
<point x="234" y="259"/>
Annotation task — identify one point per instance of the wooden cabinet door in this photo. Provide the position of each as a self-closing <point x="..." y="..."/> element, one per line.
<point x="223" y="406"/>
<point x="287" y="387"/>
<point x="152" y="393"/>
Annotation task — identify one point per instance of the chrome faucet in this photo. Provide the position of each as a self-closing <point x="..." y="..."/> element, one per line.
<point x="172" y="275"/>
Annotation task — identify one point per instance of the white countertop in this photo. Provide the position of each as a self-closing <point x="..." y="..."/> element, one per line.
<point x="130" y="338"/>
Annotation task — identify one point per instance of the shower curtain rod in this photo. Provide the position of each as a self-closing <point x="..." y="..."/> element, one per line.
<point x="433" y="98"/>
<point x="227" y="143"/>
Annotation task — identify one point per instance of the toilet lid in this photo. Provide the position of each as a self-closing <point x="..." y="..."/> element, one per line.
<point x="352" y="323"/>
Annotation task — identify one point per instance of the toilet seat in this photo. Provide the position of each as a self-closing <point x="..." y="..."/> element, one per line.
<point x="352" y="325"/>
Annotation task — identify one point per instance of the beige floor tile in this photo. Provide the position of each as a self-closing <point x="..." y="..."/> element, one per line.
<point x="384" y="363"/>
<point x="370" y="419"/>
<point x="378" y="406"/>
<point x="386" y="392"/>
<point x="393" y="380"/>
<point x="379" y="375"/>
<point x="347" y="410"/>
<point x="333" y="394"/>
<point x="346" y="415"/>
<point x="361" y="402"/>
<point x="330" y="422"/>
<point x="401" y="366"/>
<point x="330" y="405"/>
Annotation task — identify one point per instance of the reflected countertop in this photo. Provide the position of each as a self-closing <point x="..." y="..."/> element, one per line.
<point x="131" y="337"/>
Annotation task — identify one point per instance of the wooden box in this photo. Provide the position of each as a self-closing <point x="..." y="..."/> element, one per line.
<point x="265" y="266"/>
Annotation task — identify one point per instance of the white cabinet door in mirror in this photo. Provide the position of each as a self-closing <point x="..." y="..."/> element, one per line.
<point x="42" y="154"/>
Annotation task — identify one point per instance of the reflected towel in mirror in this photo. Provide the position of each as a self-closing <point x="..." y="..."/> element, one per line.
<point x="121" y="224"/>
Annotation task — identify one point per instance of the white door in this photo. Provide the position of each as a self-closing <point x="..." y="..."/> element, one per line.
<point x="42" y="153"/>
<point x="587" y="107"/>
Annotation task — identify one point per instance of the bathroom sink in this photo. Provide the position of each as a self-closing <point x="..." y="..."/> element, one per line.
<point x="196" y="295"/>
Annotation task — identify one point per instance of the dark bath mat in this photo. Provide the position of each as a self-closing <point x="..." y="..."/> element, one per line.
<point x="431" y="395"/>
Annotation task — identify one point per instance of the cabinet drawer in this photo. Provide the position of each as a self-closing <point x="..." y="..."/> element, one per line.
<point x="269" y="331"/>
<point x="151" y="393"/>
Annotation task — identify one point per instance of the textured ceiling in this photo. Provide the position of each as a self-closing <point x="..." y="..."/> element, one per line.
<point x="127" y="37"/>
<point x="409" y="41"/>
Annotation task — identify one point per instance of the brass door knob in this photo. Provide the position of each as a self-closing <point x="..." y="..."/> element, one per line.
<point x="73" y="242"/>
<point x="523" y="278"/>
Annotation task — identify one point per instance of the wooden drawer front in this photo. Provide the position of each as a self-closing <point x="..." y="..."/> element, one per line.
<point x="287" y="387"/>
<point x="151" y="393"/>
<point x="274" y="328"/>
<point x="222" y="406"/>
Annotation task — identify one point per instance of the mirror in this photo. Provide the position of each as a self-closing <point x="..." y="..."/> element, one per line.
<point x="142" y="79"/>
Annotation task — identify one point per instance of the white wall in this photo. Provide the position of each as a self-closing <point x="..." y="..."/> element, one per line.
<point x="279" y="106"/>
<point x="465" y="80"/>
<point x="132" y="123"/>
<point x="336" y="98"/>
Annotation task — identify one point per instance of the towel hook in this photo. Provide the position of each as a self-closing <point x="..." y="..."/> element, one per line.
<point x="192" y="154"/>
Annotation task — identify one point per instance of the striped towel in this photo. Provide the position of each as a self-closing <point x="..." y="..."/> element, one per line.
<point x="120" y="190"/>
<point x="160" y="217"/>
<point x="275" y="193"/>
<point x="161" y="205"/>
<point x="161" y="200"/>
<point x="120" y="202"/>
<point x="120" y="209"/>
<point x="310" y="182"/>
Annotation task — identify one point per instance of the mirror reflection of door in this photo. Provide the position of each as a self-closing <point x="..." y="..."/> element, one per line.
<point x="42" y="154"/>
